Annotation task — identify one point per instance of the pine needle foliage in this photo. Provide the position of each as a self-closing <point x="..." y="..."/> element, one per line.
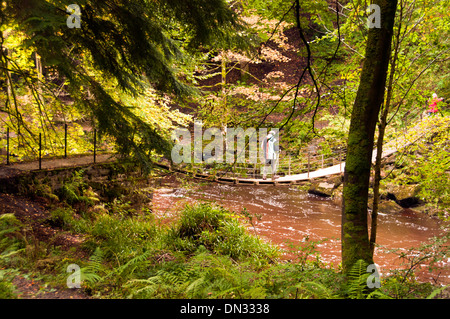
<point x="121" y="45"/>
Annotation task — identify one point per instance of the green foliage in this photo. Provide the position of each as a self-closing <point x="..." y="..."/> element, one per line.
<point x="305" y="253"/>
<point x="316" y="290"/>
<point x="427" y="162"/>
<point x="429" y="256"/>
<point x="67" y="219"/>
<point x="12" y="241"/>
<point x="436" y="291"/>
<point x="129" y="47"/>
<point x="112" y="72"/>
<point x="207" y="253"/>
<point x="356" y="286"/>
<point x="335" y="133"/>
<point x="357" y="280"/>
<point x="94" y="270"/>
<point x="6" y="287"/>
<point x="209" y="275"/>
<point x="74" y="190"/>
<point x="121" y="236"/>
<point x="218" y="230"/>
<point x="197" y="265"/>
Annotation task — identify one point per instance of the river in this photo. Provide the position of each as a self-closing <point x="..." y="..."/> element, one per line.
<point x="288" y="214"/>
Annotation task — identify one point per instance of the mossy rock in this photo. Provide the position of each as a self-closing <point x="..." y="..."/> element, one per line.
<point x="322" y="189"/>
<point x="337" y="180"/>
<point x="404" y="191"/>
<point x="404" y="195"/>
<point x="388" y="207"/>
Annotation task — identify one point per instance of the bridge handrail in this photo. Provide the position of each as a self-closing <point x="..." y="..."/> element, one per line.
<point x="287" y="165"/>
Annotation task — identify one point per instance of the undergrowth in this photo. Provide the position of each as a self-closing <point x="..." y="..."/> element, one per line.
<point x="208" y="252"/>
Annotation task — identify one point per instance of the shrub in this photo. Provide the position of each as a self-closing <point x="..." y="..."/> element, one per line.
<point x="6" y="289"/>
<point x="66" y="218"/>
<point x="219" y="231"/>
<point x="11" y="239"/>
<point x="75" y="191"/>
<point x="121" y="236"/>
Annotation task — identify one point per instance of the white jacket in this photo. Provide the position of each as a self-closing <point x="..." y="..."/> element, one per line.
<point x="267" y="147"/>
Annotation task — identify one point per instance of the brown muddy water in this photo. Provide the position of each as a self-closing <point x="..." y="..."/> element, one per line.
<point x="289" y="215"/>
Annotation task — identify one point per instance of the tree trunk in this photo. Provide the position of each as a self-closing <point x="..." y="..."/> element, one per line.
<point x="369" y="98"/>
<point x="381" y="132"/>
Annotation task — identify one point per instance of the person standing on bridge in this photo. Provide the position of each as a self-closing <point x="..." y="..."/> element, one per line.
<point x="269" y="147"/>
<point x="433" y="108"/>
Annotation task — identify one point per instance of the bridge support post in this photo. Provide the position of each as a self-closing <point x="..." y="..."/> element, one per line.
<point x="95" y="145"/>
<point x="309" y="162"/>
<point x="7" y="146"/>
<point x="289" y="169"/>
<point x="40" y="151"/>
<point x="65" y="140"/>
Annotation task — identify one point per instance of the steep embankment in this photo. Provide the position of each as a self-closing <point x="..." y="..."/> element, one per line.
<point x="416" y="176"/>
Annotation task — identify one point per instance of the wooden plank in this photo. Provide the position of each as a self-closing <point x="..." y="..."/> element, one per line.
<point x="288" y="179"/>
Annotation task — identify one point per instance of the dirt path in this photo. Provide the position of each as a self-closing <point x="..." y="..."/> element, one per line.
<point x="32" y="214"/>
<point x="53" y="163"/>
<point x="32" y="288"/>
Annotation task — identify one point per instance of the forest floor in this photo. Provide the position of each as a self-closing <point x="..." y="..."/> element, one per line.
<point x="32" y="213"/>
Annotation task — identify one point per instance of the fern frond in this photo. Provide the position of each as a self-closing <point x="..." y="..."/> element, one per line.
<point x="134" y="263"/>
<point x="317" y="290"/>
<point x="357" y="280"/>
<point x="9" y="224"/>
<point x="378" y="295"/>
<point x="91" y="273"/>
<point x="437" y="291"/>
<point x="149" y="286"/>
<point x="11" y="253"/>
<point x="196" y="286"/>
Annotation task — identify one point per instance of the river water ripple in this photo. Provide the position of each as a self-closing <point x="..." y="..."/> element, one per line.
<point x="288" y="214"/>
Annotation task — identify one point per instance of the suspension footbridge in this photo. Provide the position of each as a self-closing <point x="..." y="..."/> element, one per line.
<point x="291" y="169"/>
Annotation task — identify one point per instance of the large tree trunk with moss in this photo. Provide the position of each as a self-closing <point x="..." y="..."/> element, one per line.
<point x="370" y="96"/>
<point x="381" y="132"/>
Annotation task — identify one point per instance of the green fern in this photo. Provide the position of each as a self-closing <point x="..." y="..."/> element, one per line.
<point x="377" y="294"/>
<point x="317" y="290"/>
<point x="11" y="239"/>
<point x="72" y="190"/>
<point x="8" y="224"/>
<point x="92" y="273"/>
<point x="141" y="287"/>
<point x="196" y="287"/>
<point x="357" y="280"/>
<point x="166" y="283"/>
<point x="130" y="267"/>
<point x="435" y="292"/>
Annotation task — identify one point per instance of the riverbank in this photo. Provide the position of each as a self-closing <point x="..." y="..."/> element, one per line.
<point x="127" y="247"/>
<point x="293" y="213"/>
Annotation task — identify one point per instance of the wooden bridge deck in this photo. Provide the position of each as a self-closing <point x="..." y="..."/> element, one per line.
<point x="282" y="180"/>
